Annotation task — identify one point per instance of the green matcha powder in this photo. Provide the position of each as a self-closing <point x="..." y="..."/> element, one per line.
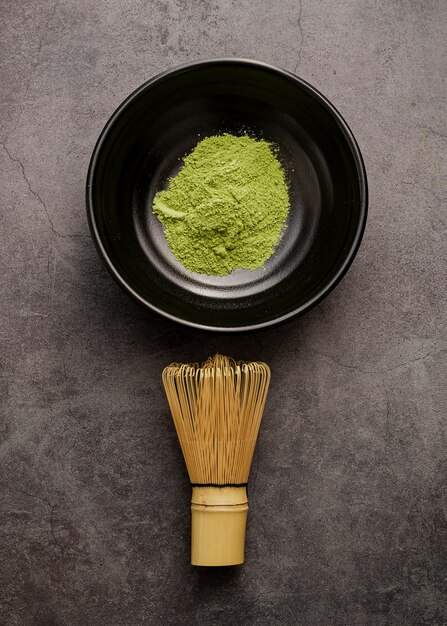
<point x="227" y="206"/>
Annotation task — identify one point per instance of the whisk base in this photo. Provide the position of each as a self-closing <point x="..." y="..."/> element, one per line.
<point x="219" y="517"/>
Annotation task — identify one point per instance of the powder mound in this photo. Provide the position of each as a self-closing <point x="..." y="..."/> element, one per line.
<point x="226" y="207"/>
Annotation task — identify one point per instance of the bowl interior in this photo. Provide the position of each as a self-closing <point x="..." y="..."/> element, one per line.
<point x="142" y="148"/>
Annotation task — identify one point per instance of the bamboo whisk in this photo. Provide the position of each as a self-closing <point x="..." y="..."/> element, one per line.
<point x="217" y="410"/>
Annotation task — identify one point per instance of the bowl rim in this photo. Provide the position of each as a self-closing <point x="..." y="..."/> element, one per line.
<point x="315" y="93"/>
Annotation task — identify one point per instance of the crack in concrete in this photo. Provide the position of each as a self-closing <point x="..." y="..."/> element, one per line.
<point x="52" y="508"/>
<point x="300" y="29"/>
<point x="37" y="196"/>
<point x="33" y="495"/>
<point x="420" y="358"/>
<point x="34" y="193"/>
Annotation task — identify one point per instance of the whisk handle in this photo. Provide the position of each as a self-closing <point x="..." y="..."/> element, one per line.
<point x="219" y="517"/>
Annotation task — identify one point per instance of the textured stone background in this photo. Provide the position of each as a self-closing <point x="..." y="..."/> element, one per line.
<point x="348" y="521"/>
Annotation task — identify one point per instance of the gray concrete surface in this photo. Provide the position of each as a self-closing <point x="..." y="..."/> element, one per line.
<point x="348" y="523"/>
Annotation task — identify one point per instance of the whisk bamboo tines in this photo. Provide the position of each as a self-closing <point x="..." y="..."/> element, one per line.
<point x="217" y="410"/>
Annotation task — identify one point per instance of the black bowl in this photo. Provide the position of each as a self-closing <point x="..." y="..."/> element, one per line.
<point x="141" y="147"/>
